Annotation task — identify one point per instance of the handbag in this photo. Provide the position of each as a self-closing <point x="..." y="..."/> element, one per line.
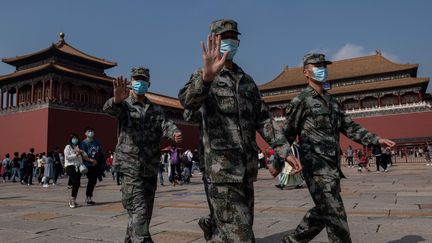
<point x="83" y="169"/>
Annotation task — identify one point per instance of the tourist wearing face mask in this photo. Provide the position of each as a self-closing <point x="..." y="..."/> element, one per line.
<point x="317" y="118"/>
<point x="141" y="124"/>
<point x="93" y="150"/>
<point x="226" y="102"/>
<point x="73" y="158"/>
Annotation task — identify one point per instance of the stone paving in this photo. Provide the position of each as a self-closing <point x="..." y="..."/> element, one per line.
<point x="391" y="207"/>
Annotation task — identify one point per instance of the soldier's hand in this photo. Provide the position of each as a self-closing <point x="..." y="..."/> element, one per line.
<point x="295" y="163"/>
<point x="274" y="172"/>
<point x="178" y="138"/>
<point x="213" y="61"/>
<point x="386" y="142"/>
<point x="121" y="90"/>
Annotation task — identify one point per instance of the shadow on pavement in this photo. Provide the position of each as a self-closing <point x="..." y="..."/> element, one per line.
<point x="409" y="239"/>
<point x="106" y="203"/>
<point x="272" y="238"/>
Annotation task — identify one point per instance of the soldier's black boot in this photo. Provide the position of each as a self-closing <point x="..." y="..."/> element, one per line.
<point x="206" y="227"/>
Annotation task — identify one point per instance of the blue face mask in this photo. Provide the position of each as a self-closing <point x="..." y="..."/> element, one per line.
<point x="320" y="74"/>
<point x="230" y="45"/>
<point x="74" y="141"/>
<point x="140" y="87"/>
<point x="90" y="134"/>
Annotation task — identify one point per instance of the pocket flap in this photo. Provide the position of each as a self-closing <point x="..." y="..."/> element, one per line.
<point x="128" y="149"/>
<point x="222" y="144"/>
<point x="225" y="91"/>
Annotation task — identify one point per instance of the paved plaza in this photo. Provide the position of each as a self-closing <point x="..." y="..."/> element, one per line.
<point x="386" y="207"/>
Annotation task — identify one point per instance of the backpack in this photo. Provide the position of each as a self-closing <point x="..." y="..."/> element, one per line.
<point x="8" y="165"/>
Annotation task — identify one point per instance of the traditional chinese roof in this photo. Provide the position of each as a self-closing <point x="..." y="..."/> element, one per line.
<point x="343" y="69"/>
<point x="53" y="66"/>
<point x="388" y="84"/>
<point x="163" y="100"/>
<point x="62" y="47"/>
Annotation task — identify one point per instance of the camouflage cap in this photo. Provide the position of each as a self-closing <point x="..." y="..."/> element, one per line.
<point x="223" y="25"/>
<point x="141" y="72"/>
<point x="315" y="58"/>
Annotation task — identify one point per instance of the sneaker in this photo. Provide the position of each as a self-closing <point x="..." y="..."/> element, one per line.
<point x="386" y="170"/>
<point x="89" y="201"/>
<point x="45" y="185"/>
<point x="207" y="229"/>
<point x="72" y="203"/>
<point x="427" y="164"/>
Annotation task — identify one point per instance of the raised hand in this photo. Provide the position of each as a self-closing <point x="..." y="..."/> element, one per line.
<point x="121" y="90"/>
<point x="213" y="61"/>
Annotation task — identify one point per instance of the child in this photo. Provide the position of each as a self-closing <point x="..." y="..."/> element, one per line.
<point x="186" y="175"/>
<point x="363" y="163"/>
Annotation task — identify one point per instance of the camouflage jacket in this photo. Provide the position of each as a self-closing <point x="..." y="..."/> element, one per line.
<point x="140" y="128"/>
<point x="230" y="111"/>
<point x="318" y="120"/>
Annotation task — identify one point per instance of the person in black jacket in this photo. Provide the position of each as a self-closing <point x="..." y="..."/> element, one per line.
<point x="15" y="167"/>
<point x="58" y="167"/>
<point x="380" y="158"/>
<point x="28" y="167"/>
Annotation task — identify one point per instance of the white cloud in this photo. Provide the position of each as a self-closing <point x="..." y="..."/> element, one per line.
<point x="352" y="50"/>
<point x="349" y="51"/>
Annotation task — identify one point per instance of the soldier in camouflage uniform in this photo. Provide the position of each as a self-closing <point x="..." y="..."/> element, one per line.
<point x="317" y="119"/>
<point x="226" y="103"/>
<point x="140" y="127"/>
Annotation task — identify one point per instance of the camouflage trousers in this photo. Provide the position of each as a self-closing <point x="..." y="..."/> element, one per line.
<point x="231" y="211"/>
<point x="329" y="212"/>
<point x="138" y="195"/>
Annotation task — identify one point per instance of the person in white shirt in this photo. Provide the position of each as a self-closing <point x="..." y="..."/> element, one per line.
<point x="73" y="159"/>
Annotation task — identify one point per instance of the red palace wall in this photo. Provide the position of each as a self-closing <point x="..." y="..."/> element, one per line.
<point x="410" y="125"/>
<point x="47" y="128"/>
<point x="21" y="131"/>
<point x="62" y="123"/>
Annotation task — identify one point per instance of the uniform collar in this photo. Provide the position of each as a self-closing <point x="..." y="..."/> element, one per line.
<point x="311" y="91"/>
<point x="236" y="69"/>
<point x="133" y="101"/>
<point x="314" y="93"/>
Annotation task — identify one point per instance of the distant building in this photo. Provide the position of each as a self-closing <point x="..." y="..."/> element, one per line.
<point x="58" y="91"/>
<point x="385" y="97"/>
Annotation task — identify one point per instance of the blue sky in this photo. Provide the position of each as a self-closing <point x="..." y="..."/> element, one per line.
<point x="165" y="35"/>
